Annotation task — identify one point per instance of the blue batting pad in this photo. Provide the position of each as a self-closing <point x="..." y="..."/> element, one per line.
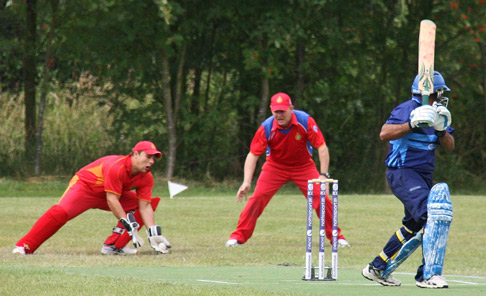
<point x="436" y="233"/>
<point x="407" y="249"/>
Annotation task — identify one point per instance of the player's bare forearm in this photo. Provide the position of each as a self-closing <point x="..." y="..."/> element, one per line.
<point x="250" y="166"/>
<point x="391" y="132"/>
<point x="447" y="142"/>
<point x="323" y="159"/>
<point x="115" y="206"/>
<point x="249" y="169"/>
<point x="147" y="213"/>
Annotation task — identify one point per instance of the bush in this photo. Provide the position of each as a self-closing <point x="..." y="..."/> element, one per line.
<point x="11" y="134"/>
<point x="76" y="132"/>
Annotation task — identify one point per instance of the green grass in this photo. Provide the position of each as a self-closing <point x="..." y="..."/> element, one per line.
<point x="198" y="225"/>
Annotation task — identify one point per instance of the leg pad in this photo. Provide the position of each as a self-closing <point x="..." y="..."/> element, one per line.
<point x="436" y="233"/>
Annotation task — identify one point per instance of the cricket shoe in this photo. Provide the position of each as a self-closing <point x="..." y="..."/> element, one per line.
<point x="111" y="250"/>
<point x="435" y="282"/>
<point x="233" y="243"/>
<point x="342" y="243"/>
<point x="374" y="274"/>
<point x="18" y="250"/>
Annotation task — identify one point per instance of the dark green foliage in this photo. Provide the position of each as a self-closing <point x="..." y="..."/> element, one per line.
<point x="347" y="63"/>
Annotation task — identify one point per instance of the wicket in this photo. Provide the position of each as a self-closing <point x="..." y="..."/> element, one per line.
<point x="332" y="271"/>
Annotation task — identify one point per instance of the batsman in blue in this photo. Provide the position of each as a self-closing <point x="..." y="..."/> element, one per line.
<point x="414" y="131"/>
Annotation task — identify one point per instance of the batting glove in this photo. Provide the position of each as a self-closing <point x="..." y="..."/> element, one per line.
<point x="158" y="242"/>
<point x="423" y="116"/>
<point x="131" y="225"/>
<point x="444" y="118"/>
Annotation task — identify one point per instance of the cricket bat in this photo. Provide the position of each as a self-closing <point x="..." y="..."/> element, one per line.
<point x="426" y="55"/>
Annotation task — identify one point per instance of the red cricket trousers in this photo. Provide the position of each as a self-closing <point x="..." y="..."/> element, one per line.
<point x="268" y="183"/>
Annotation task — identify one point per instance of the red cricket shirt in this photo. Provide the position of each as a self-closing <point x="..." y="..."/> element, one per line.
<point x="288" y="147"/>
<point x="112" y="174"/>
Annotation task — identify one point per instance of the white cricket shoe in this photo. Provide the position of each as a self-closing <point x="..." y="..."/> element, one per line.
<point x="18" y="250"/>
<point x="373" y="274"/>
<point x="342" y="243"/>
<point x="233" y="243"/>
<point x="435" y="282"/>
<point x="111" y="250"/>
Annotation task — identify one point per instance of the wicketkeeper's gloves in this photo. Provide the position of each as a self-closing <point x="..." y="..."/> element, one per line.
<point x="158" y="242"/>
<point x="131" y="225"/>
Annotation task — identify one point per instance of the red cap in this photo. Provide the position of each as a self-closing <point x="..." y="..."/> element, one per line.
<point x="147" y="147"/>
<point x="280" y="102"/>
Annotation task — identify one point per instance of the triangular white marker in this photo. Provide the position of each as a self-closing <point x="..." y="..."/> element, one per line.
<point x="175" y="188"/>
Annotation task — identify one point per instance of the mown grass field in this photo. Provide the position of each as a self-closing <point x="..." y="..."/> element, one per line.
<point x="198" y="223"/>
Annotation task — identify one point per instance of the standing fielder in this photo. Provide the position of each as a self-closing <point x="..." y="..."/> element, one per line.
<point x="428" y="209"/>
<point x="107" y="184"/>
<point x="287" y="137"/>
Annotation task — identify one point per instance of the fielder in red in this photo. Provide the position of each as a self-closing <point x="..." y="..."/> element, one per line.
<point x="287" y="137"/>
<point x="107" y="184"/>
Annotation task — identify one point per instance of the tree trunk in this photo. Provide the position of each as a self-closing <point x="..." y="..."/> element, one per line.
<point x="179" y="85"/>
<point x="30" y="74"/>
<point x="167" y="98"/>
<point x="264" y="105"/>
<point x="171" y="106"/>
<point x="45" y="87"/>
<point x="299" y="66"/>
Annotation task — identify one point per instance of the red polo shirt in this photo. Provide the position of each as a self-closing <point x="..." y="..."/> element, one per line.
<point x="291" y="146"/>
<point x="112" y="174"/>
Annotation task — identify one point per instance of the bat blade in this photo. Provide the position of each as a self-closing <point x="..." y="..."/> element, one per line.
<point x="426" y="56"/>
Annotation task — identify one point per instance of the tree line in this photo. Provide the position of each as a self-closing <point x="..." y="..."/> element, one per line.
<point x="195" y="77"/>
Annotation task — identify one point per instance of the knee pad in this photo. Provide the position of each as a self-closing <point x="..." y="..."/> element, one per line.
<point x="439" y="205"/>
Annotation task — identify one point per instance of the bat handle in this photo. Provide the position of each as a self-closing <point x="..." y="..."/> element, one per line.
<point x="425" y="99"/>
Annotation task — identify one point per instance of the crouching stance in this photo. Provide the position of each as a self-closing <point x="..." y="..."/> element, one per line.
<point x="414" y="132"/>
<point x="107" y="184"/>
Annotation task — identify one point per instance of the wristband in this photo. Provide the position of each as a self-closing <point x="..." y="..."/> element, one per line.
<point x="411" y="128"/>
<point x="440" y="134"/>
<point x="327" y="175"/>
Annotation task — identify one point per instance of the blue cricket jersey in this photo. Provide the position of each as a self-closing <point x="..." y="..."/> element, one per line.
<point x="416" y="149"/>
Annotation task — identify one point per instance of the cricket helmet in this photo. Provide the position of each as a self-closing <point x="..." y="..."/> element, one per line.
<point x="439" y="84"/>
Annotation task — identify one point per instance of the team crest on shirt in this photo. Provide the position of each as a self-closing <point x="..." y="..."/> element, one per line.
<point x="315" y="128"/>
<point x="298" y="137"/>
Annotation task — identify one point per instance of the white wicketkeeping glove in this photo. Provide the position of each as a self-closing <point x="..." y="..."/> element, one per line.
<point x="423" y="116"/>
<point x="158" y="242"/>
<point x="131" y="225"/>
<point x="444" y="118"/>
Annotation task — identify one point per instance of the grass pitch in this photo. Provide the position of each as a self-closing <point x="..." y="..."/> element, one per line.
<point x="198" y="225"/>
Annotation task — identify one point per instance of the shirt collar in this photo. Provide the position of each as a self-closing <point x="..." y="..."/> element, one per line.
<point x="417" y="99"/>
<point x="293" y="121"/>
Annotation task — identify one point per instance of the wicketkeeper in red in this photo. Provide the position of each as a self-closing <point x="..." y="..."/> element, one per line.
<point x="287" y="137"/>
<point x="107" y="184"/>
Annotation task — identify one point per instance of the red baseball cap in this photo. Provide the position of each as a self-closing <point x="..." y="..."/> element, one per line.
<point x="280" y="102"/>
<point x="147" y="147"/>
